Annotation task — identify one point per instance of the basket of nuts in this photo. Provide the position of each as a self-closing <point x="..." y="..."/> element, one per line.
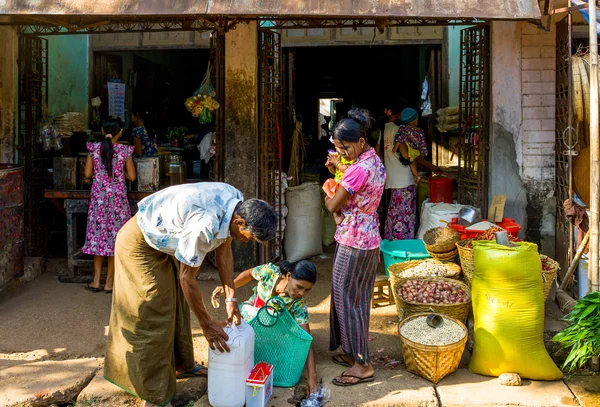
<point x="440" y="295"/>
<point x="432" y="353"/>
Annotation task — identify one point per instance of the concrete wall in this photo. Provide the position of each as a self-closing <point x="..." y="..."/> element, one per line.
<point x="505" y="137"/>
<point x="8" y="95"/>
<point x="68" y="74"/>
<point x="522" y="138"/>
<point x="453" y="38"/>
<point x="241" y="121"/>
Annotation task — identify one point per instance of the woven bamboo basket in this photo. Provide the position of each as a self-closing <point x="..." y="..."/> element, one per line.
<point x="432" y="362"/>
<point x="395" y="273"/>
<point x="444" y="257"/>
<point x="549" y="276"/>
<point x="441" y="240"/>
<point x="409" y="308"/>
<point x="466" y="259"/>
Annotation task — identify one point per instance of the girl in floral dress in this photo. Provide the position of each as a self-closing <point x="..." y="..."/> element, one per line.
<point x="109" y="163"/>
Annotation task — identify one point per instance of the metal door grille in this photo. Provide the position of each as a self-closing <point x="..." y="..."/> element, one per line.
<point x="217" y="61"/>
<point x="33" y="102"/>
<point x="473" y="113"/>
<point x="270" y="114"/>
<point x="563" y="99"/>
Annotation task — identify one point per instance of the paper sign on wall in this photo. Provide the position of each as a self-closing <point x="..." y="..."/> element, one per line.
<point x="116" y="100"/>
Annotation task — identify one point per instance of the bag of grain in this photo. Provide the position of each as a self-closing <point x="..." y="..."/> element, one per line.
<point x="508" y="306"/>
<point x="303" y="233"/>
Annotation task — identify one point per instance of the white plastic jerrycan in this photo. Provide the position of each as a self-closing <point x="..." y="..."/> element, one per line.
<point x="228" y="371"/>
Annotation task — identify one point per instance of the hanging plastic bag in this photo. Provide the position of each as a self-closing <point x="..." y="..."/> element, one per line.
<point x="206" y="87"/>
<point x="426" y="108"/>
<point x="205" y="147"/>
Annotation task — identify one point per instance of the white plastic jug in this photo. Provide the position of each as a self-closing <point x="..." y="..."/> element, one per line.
<point x="228" y="371"/>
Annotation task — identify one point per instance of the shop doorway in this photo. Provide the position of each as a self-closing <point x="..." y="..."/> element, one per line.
<point x="157" y="82"/>
<point x="327" y="81"/>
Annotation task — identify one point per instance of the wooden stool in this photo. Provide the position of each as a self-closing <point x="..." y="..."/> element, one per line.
<point x="381" y="296"/>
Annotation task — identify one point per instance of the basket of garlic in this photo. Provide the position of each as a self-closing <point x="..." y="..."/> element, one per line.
<point x="440" y="295"/>
<point x="432" y="353"/>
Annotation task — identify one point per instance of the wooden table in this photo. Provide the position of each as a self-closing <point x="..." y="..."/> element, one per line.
<point x="78" y="202"/>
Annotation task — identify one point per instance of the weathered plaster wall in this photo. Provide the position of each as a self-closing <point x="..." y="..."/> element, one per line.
<point x="68" y="74"/>
<point x="505" y="151"/>
<point x="8" y="97"/>
<point x="538" y="83"/>
<point x="522" y="139"/>
<point x="241" y="121"/>
<point x="453" y="38"/>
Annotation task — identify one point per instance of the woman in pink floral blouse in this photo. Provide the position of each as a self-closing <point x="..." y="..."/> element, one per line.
<point x="357" y="252"/>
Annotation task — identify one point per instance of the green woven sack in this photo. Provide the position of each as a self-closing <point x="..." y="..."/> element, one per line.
<point x="281" y="342"/>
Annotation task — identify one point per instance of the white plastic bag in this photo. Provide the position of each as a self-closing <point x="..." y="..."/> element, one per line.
<point x="303" y="232"/>
<point x="435" y="215"/>
<point x="204" y="147"/>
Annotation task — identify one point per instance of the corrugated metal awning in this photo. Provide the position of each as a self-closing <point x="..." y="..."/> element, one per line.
<point x="428" y="9"/>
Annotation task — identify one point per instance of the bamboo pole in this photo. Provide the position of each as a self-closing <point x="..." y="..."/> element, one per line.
<point x="594" y="152"/>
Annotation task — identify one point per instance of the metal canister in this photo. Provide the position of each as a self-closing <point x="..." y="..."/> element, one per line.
<point x="12" y="226"/>
<point x="176" y="170"/>
<point x="147" y="173"/>
<point x="65" y="172"/>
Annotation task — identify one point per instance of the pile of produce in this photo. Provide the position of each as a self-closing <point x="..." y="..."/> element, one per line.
<point x="433" y="292"/>
<point x="547" y="264"/>
<point x="490" y="235"/>
<point x="418" y="331"/>
<point x="428" y="268"/>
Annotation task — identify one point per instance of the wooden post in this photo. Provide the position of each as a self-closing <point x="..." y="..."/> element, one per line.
<point x="594" y="151"/>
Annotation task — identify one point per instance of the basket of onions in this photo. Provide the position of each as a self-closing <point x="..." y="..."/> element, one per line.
<point x="434" y="294"/>
<point x="549" y="269"/>
<point x="402" y="272"/>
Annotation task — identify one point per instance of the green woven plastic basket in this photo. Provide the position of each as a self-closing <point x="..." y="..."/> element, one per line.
<point x="281" y="342"/>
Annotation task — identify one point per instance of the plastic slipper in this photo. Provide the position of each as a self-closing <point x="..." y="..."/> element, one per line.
<point x="92" y="289"/>
<point x="193" y="372"/>
<point x="359" y="381"/>
<point x="339" y="360"/>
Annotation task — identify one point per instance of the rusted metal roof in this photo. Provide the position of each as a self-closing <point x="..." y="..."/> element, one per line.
<point x="431" y="9"/>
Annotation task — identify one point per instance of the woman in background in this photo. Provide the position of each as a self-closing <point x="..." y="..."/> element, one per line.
<point x="144" y="137"/>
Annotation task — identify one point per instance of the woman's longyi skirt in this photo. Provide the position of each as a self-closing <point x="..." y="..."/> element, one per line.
<point x="150" y="332"/>
<point x="354" y="273"/>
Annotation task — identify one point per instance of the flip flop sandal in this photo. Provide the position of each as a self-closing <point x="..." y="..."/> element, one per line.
<point x="193" y="372"/>
<point x="108" y="291"/>
<point x="339" y="360"/>
<point x="360" y="380"/>
<point x="92" y="289"/>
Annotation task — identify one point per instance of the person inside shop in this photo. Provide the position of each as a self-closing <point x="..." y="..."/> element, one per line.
<point x="410" y="144"/>
<point x="144" y="135"/>
<point x="401" y="218"/>
<point x="289" y="281"/>
<point x="158" y="253"/>
<point x="357" y="254"/>
<point x="108" y="163"/>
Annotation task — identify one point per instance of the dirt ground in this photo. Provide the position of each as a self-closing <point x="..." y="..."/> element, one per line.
<point x="50" y="321"/>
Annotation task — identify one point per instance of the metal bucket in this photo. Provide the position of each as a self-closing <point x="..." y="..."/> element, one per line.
<point x="65" y="172"/>
<point x="12" y="226"/>
<point x="147" y="173"/>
